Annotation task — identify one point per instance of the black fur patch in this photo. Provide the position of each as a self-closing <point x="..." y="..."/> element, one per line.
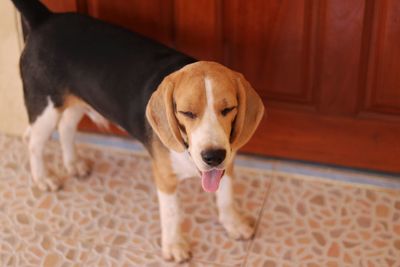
<point x="112" y="69"/>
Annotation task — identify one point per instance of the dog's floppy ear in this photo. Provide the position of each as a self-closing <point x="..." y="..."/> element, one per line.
<point x="160" y="115"/>
<point x="250" y="112"/>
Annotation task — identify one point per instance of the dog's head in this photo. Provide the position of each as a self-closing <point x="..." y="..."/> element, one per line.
<point x="209" y="110"/>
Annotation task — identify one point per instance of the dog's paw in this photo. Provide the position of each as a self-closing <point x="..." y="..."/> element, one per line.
<point x="176" y="251"/>
<point x="237" y="226"/>
<point x="79" y="168"/>
<point x="48" y="183"/>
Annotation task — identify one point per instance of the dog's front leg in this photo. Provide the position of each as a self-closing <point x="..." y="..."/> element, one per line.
<point x="174" y="246"/>
<point x="234" y="223"/>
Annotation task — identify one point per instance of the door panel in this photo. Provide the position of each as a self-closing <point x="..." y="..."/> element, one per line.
<point x="271" y="50"/>
<point x="341" y="24"/>
<point x="362" y="143"/>
<point x="61" y="6"/>
<point x="151" y="18"/>
<point x="327" y="71"/>
<point x="383" y="87"/>
<point x="196" y="34"/>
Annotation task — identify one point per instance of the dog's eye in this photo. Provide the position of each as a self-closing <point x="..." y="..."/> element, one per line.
<point x="188" y="114"/>
<point x="225" y="111"/>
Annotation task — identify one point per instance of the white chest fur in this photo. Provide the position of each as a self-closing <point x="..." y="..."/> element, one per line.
<point x="183" y="165"/>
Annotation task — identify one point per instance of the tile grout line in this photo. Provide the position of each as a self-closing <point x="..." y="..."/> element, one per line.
<point x="273" y="174"/>
<point x="258" y="222"/>
<point x="155" y="253"/>
<point x="110" y="246"/>
<point x="91" y="249"/>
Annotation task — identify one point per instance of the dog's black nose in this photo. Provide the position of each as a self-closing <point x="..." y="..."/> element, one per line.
<point x="213" y="157"/>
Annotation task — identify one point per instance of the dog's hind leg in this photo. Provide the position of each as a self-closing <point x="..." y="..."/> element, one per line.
<point x="40" y="131"/>
<point x="67" y="129"/>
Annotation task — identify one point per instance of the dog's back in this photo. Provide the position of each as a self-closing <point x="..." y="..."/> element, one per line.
<point x="99" y="62"/>
<point x="69" y="53"/>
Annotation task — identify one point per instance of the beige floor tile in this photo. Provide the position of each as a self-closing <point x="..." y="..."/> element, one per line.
<point x="309" y="222"/>
<point x="209" y="242"/>
<point x="112" y="219"/>
<point x="256" y="260"/>
<point x="119" y="257"/>
<point x="13" y="157"/>
<point x="116" y="207"/>
<point x="24" y="249"/>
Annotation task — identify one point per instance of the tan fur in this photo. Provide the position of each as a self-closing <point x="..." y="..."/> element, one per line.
<point x="160" y="115"/>
<point x="225" y="96"/>
<point x="189" y="94"/>
<point x="164" y="176"/>
<point x="186" y="88"/>
<point x="229" y="169"/>
<point x="71" y="100"/>
<point x="187" y="109"/>
<point x="250" y="113"/>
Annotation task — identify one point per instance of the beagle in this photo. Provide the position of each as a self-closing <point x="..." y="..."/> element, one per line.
<point x="192" y="116"/>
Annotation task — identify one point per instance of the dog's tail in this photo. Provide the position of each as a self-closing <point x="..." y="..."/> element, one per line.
<point x="33" y="11"/>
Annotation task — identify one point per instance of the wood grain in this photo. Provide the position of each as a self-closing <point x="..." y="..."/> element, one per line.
<point x="198" y="29"/>
<point x="152" y="18"/>
<point x="361" y="143"/>
<point x="272" y="49"/>
<point x="382" y="92"/>
<point x="61" y="5"/>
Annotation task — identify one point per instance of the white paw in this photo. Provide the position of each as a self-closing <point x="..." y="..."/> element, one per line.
<point x="177" y="251"/>
<point x="79" y="168"/>
<point x="237" y="226"/>
<point x="48" y="183"/>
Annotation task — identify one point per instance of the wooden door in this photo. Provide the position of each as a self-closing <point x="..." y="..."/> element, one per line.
<point x="328" y="71"/>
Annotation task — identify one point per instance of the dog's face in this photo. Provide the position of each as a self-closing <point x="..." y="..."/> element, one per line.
<point x="205" y="115"/>
<point x="209" y="110"/>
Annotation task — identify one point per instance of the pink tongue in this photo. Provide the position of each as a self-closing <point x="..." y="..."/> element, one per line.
<point x="210" y="180"/>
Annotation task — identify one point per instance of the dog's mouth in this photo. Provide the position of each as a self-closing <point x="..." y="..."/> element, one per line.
<point x="210" y="179"/>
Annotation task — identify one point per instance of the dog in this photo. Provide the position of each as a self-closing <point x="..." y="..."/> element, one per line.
<point x="192" y="116"/>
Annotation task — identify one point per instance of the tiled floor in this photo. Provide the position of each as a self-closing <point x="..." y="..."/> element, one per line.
<point x="111" y="219"/>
